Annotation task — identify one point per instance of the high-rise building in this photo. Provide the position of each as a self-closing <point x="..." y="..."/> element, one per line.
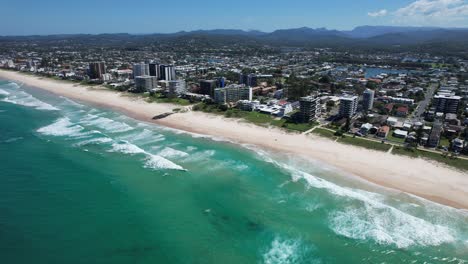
<point x="207" y="87"/>
<point x="154" y="70"/>
<point x="310" y="108"/>
<point x="248" y="79"/>
<point x="221" y="82"/>
<point x="167" y="72"/>
<point x="176" y="87"/>
<point x="368" y="99"/>
<point x="348" y="106"/>
<point x="447" y="104"/>
<point x="96" y="70"/>
<point x="145" y="83"/>
<point x="140" y="69"/>
<point x="232" y="94"/>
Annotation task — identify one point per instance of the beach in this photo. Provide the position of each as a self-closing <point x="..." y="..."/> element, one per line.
<point x="423" y="178"/>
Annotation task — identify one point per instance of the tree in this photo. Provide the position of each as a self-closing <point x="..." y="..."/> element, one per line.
<point x="371" y="85"/>
<point x="325" y="79"/>
<point x="347" y="125"/>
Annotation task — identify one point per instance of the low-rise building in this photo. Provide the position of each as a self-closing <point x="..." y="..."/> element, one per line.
<point x="382" y="132"/>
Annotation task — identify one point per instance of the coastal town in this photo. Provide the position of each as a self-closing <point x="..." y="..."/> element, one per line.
<point x="403" y="103"/>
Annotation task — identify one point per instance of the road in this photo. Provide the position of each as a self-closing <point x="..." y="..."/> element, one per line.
<point x="423" y="104"/>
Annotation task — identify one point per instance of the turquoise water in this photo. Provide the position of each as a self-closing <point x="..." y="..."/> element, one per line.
<point x="79" y="184"/>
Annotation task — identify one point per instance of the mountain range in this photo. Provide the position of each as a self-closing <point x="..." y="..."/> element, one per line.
<point x="427" y="39"/>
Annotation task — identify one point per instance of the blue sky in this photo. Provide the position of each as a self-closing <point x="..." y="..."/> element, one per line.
<point x="26" y="17"/>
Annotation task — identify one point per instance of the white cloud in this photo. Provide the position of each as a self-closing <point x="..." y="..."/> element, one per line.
<point x="434" y="13"/>
<point x="379" y="13"/>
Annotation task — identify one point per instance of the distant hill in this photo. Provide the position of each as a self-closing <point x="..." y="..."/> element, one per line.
<point x="373" y="31"/>
<point x="425" y="39"/>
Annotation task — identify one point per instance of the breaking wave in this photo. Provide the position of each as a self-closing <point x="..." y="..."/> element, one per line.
<point x="151" y="161"/>
<point x="282" y="251"/>
<point x="168" y="152"/>
<point x="3" y="92"/>
<point x="371" y="218"/>
<point x="25" y="99"/>
<point x="388" y="226"/>
<point x="62" y="127"/>
<point x="106" y="124"/>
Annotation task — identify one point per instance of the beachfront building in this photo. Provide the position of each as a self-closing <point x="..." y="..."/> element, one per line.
<point x="167" y="72"/>
<point x="154" y="70"/>
<point x="368" y="99"/>
<point x="207" y="87"/>
<point x="140" y="69"/>
<point x="96" y="70"/>
<point x="348" y="106"/>
<point x="434" y="137"/>
<point x="382" y="132"/>
<point x="310" y="108"/>
<point x="145" y="83"/>
<point x="446" y="103"/>
<point x="246" y="105"/>
<point x="176" y="88"/>
<point x="232" y="94"/>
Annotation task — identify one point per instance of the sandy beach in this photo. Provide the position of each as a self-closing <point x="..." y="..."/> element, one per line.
<point x="420" y="177"/>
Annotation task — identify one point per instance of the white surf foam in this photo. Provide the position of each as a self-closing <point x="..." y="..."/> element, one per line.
<point x="200" y="156"/>
<point x="168" y="152"/>
<point x="106" y="124"/>
<point x="157" y="162"/>
<point x="3" y="92"/>
<point x="62" y="127"/>
<point x="373" y="218"/>
<point x="144" y="137"/>
<point x="28" y="100"/>
<point x="388" y="226"/>
<point x="282" y="251"/>
<point x="151" y="161"/>
<point x="94" y="141"/>
<point x="71" y="102"/>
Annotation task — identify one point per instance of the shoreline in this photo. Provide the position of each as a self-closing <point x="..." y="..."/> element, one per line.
<point x="429" y="180"/>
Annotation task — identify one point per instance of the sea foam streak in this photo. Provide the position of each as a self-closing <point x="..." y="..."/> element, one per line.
<point x="28" y="100"/>
<point x="152" y="161"/>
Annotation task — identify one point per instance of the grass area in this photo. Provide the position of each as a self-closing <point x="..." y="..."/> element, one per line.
<point x="161" y="99"/>
<point x="356" y="141"/>
<point x="450" y="161"/>
<point x="254" y="117"/>
<point x="324" y="133"/>
<point x="444" y="142"/>
<point x="301" y="127"/>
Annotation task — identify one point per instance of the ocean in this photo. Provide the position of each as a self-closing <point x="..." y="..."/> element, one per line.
<point x="81" y="184"/>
